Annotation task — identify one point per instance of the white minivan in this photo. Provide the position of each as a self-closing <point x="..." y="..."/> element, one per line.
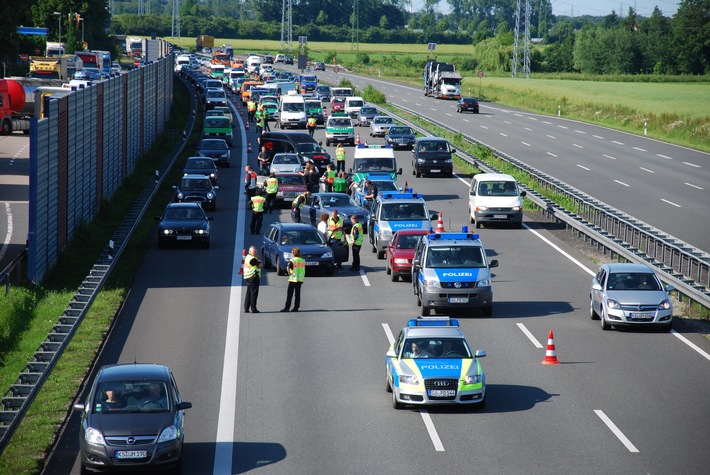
<point x="292" y="111"/>
<point x="495" y="198"/>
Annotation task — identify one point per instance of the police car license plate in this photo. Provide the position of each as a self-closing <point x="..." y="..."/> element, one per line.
<point x="311" y="263"/>
<point x="458" y="299"/>
<point x="442" y="392"/>
<point x="131" y="454"/>
<point x="436" y="171"/>
<point x="499" y="216"/>
<point x="184" y="238"/>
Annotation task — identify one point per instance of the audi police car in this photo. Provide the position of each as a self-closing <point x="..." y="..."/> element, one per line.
<point x="451" y="271"/>
<point x="395" y="211"/>
<point x="431" y="362"/>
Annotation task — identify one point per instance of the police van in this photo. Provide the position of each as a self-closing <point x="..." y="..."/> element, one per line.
<point x="373" y="158"/>
<point x="451" y="271"/>
<point x="394" y="211"/>
<point x="339" y="128"/>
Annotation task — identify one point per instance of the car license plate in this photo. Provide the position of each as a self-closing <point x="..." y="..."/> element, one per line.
<point x="458" y="299"/>
<point x="184" y="238"/>
<point x="640" y="315"/>
<point x="436" y="171"/>
<point x="131" y="454"/>
<point x="442" y="392"/>
<point x="312" y="263"/>
<point x="499" y="216"/>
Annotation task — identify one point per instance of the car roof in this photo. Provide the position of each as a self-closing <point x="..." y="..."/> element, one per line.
<point x="469" y="99"/>
<point x="195" y="176"/>
<point x="413" y="232"/>
<point x="202" y="159"/>
<point x="289" y="226"/>
<point x="434" y="332"/>
<point x="135" y="371"/>
<point x="628" y="267"/>
<point x="493" y="177"/>
<point x="435" y="139"/>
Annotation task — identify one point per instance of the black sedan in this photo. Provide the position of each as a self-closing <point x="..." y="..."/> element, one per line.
<point x="319" y="66"/>
<point x="280" y="238"/>
<point x="201" y="166"/>
<point x="288" y="60"/>
<point x="217" y="150"/>
<point x="132" y="418"/>
<point x="400" y="136"/>
<point x="467" y="104"/>
<point x="319" y="203"/>
<point x="198" y="189"/>
<point x="183" y="222"/>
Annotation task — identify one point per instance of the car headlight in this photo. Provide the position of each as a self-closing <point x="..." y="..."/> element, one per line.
<point x="180" y="195"/>
<point x="665" y="305"/>
<point x="448" y="160"/>
<point x="473" y="379"/>
<point x="401" y="261"/>
<point x="611" y="303"/>
<point x="287" y="255"/>
<point x="224" y="155"/>
<point x="484" y="283"/>
<point x="212" y="175"/>
<point x="327" y="255"/>
<point x="481" y="208"/>
<point x="385" y="232"/>
<point x="210" y="195"/>
<point x="516" y="208"/>
<point x="408" y="379"/>
<point x="431" y="283"/>
<point x="94" y="436"/>
<point x="421" y="160"/>
<point x="168" y="434"/>
<point x="167" y="232"/>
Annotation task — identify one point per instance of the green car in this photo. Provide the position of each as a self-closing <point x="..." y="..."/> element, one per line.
<point x="218" y="128"/>
<point x="339" y="128"/>
<point x="314" y="108"/>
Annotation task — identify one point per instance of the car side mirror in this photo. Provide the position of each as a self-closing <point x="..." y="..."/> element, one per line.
<point x="210" y="218"/>
<point x="669" y="288"/>
<point x="390" y="354"/>
<point x="472" y="193"/>
<point x="493" y="263"/>
<point x="79" y="407"/>
<point x="399" y="172"/>
<point x="453" y="150"/>
<point x="434" y="216"/>
<point x="157" y="218"/>
<point x="186" y="405"/>
<point x="480" y="353"/>
<point x="523" y="193"/>
<point x="596" y="286"/>
<point x="350" y="170"/>
<point x="216" y="187"/>
<point x="174" y="187"/>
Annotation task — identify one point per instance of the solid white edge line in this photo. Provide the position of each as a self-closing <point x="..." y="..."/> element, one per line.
<point x="364" y="278"/>
<point x="619" y="435"/>
<point x="691" y="344"/>
<point x="530" y="336"/>
<point x="388" y="333"/>
<point x="432" y="430"/>
<point x="224" y="441"/>
<point x="558" y="249"/>
<point x="8" y="234"/>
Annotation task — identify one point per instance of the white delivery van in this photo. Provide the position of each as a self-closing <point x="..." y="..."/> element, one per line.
<point x="353" y="104"/>
<point x="292" y="111"/>
<point x="253" y="63"/>
<point x="495" y="198"/>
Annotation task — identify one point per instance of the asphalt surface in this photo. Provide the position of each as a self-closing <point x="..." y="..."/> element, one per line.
<point x="304" y="393"/>
<point x="14" y="195"/>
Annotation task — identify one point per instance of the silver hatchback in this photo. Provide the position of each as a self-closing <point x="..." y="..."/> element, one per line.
<point x="628" y="295"/>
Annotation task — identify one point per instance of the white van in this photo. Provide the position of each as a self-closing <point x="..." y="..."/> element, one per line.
<point x="353" y="104"/>
<point x="292" y="111"/>
<point x="495" y="198"/>
<point x="253" y="63"/>
<point x="341" y="91"/>
<point x="180" y="61"/>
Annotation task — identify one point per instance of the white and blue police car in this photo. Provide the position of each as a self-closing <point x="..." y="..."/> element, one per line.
<point x="395" y="211"/>
<point x="451" y="271"/>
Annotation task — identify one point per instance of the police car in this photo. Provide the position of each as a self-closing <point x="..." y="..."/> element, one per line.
<point x="395" y="211"/>
<point x="373" y="158"/>
<point x="339" y="128"/>
<point x="431" y="362"/>
<point x="382" y="180"/>
<point x="451" y="271"/>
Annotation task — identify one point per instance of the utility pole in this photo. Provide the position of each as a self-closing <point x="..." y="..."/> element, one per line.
<point x="356" y="26"/>
<point x="176" y="19"/>
<point x="526" y="36"/>
<point x="516" y="36"/>
<point x="287" y="25"/>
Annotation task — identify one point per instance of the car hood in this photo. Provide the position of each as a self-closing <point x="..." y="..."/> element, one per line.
<point x="122" y="424"/>
<point x="348" y="210"/>
<point x="285" y="168"/>
<point x="434" y="155"/>
<point x="182" y="223"/>
<point x="401" y="136"/>
<point x="403" y="253"/>
<point x="638" y="297"/>
<point x="208" y="152"/>
<point x="428" y="368"/>
<point x="293" y="187"/>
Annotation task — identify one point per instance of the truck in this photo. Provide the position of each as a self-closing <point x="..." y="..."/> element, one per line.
<point x="221" y="57"/>
<point x="54" y="49"/>
<point x="204" y="41"/>
<point x="55" y="67"/>
<point x="105" y="60"/>
<point x="21" y="98"/>
<point x="134" y="47"/>
<point x="441" y="80"/>
<point x="90" y="59"/>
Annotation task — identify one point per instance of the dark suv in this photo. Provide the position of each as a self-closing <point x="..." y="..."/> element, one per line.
<point x="295" y="142"/>
<point x="469" y="104"/>
<point x="432" y="156"/>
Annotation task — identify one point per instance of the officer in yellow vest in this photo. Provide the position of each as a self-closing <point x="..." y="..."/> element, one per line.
<point x="329" y="178"/>
<point x="356" y="241"/>
<point x="340" y="158"/>
<point x="296" y="274"/>
<point x="297" y="204"/>
<point x="252" y="273"/>
<point x="251" y="109"/>
<point x="257" y="212"/>
<point x="311" y="125"/>
<point x="272" y="187"/>
<point x="335" y="231"/>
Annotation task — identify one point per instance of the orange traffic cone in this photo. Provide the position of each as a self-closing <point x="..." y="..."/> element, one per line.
<point x="550" y="354"/>
<point x="357" y="139"/>
<point x="440" y="224"/>
<point x="249" y="147"/>
<point x="244" y="255"/>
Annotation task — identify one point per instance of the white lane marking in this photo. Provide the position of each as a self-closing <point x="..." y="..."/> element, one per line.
<point x="405" y="100"/>
<point x="8" y="234"/>
<point x="550" y="153"/>
<point x="670" y="203"/>
<point x="582" y="167"/>
<point x="552" y="137"/>
<point x="598" y="137"/>
<point x="561" y="251"/>
<point x="525" y="143"/>
<point x="501" y="133"/>
<point x="663" y="156"/>
<point x="417" y="104"/>
<point x="546" y="122"/>
<point x="577" y="145"/>
<point x="431" y="108"/>
<point x="449" y="114"/>
<point x="432" y="430"/>
<point x="563" y="127"/>
<point x="433" y="434"/>
<point x="622" y="183"/>
<point x="617" y="142"/>
<point x="580" y="131"/>
<point x="466" y="120"/>
<point x="519" y="115"/>
<point x="484" y="127"/>
<point x="612" y="427"/>
<point x="692" y="165"/>
<point x="691" y="344"/>
<point x="506" y="122"/>
<point x="528" y="129"/>
<point x="224" y="442"/>
<point x="609" y="156"/>
<point x="647" y="170"/>
<point x="694" y="186"/>
<point x="640" y="149"/>
<point x="530" y="336"/>
<point x="364" y="278"/>
<point x="462" y="180"/>
<point x="532" y="118"/>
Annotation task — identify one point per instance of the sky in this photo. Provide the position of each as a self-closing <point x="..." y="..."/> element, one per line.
<point x="592" y="7"/>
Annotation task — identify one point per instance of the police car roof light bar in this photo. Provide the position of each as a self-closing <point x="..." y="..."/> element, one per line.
<point x="400" y="195"/>
<point x="453" y="236"/>
<point x="433" y="322"/>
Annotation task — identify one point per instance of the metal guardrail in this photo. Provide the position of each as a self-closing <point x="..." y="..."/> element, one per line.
<point x="686" y="267"/>
<point x="6" y="273"/>
<point x="18" y="398"/>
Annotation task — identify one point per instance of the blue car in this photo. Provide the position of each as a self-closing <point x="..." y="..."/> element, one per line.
<point x="280" y="238"/>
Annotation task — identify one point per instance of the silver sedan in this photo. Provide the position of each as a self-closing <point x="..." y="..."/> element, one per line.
<point x="380" y="125"/>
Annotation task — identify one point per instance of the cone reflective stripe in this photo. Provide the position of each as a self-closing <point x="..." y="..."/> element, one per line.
<point x="357" y="140"/>
<point x="550" y="354"/>
<point x="440" y="223"/>
<point x="244" y="255"/>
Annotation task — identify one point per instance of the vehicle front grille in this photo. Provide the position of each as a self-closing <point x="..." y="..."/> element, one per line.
<point x="138" y="440"/>
<point x="443" y="384"/>
<point x="462" y="285"/>
<point x="639" y="308"/>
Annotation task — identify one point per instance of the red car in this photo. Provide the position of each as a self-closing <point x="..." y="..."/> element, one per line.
<point x="290" y="186"/>
<point x="400" y="252"/>
<point x="338" y="105"/>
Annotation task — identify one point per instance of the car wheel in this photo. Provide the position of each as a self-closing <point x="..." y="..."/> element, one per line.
<point x="478" y="224"/>
<point x="380" y="254"/>
<point x="605" y="325"/>
<point x="84" y="471"/>
<point x="6" y="127"/>
<point x="279" y="270"/>
<point x="414" y="171"/>
<point x="395" y="276"/>
<point x="396" y="404"/>
<point x="418" y="173"/>
<point x="419" y="300"/>
<point x="426" y="310"/>
<point x="592" y="313"/>
<point x="488" y="311"/>
<point x="470" y="217"/>
<point x="373" y="247"/>
<point x="388" y="387"/>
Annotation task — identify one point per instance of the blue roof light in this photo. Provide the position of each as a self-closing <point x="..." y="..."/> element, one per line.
<point x="433" y="322"/>
<point x="400" y="195"/>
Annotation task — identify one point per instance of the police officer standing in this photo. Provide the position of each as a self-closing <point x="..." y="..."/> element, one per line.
<point x="272" y="187"/>
<point x="340" y="158"/>
<point x="257" y="212"/>
<point x="250" y="182"/>
<point x="251" y="110"/>
<point x="329" y="178"/>
<point x="340" y="183"/>
<point x="252" y="273"/>
<point x="335" y="231"/>
<point x="311" y="125"/>
<point x="297" y="204"/>
<point x="296" y="274"/>
<point x="356" y="241"/>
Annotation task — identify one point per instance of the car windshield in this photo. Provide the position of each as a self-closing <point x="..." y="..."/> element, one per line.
<point x="213" y="94"/>
<point x="374" y="164"/>
<point x="497" y="188"/>
<point x="455" y="256"/>
<point x="309" y="79"/>
<point x="355" y="103"/>
<point x="632" y="281"/>
<point x="216" y="122"/>
<point x="384" y="120"/>
<point x="292" y="180"/>
<point x="309" y="147"/>
<point x="400" y="130"/>
<point x="385" y="185"/>
<point x="314" y="105"/>
<point x="201" y="164"/>
<point x="339" y="122"/>
<point x="433" y="146"/>
<point x="368" y="111"/>
<point x="214" y="145"/>
<point x="436" y="348"/>
<point x="121" y="397"/>
<point x="403" y="211"/>
<point x="302" y="236"/>
<point x="202" y="184"/>
<point x="286" y="159"/>
<point x="323" y="89"/>
<point x="337" y="201"/>
<point x="407" y="241"/>
<point x="182" y="213"/>
<point x="293" y="107"/>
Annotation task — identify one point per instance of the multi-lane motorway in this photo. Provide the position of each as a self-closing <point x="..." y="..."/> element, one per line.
<point x="14" y="195"/>
<point x="305" y="393"/>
